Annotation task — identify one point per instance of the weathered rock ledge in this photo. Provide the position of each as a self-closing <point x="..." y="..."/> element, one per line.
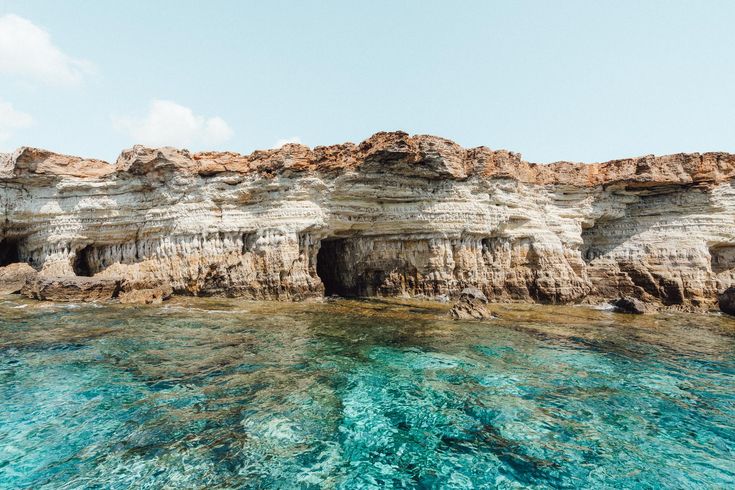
<point x="394" y="215"/>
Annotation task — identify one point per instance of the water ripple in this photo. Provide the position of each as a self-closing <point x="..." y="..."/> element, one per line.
<point x="376" y="394"/>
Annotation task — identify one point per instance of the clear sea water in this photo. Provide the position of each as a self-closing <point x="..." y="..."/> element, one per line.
<point x="373" y="394"/>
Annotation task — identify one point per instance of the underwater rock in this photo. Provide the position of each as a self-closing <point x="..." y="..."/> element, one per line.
<point x="396" y="215"/>
<point x="635" y="306"/>
<point x="14" y="276"/>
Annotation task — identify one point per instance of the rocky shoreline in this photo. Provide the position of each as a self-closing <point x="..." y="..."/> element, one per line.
<point x="395" y="215"/>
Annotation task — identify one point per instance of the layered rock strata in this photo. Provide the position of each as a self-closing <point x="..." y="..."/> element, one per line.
<point x="394" y="215"/>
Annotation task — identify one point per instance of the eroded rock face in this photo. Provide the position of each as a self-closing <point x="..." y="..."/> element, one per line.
<point x="14" y="276"/>
<point x="144" y="292"/>
<point x="627" y="304"/>
<point x="726" y="301"/>
<point x="394" y="215"/>
<point x="72" y="289"/>
<point x="90" y="289"/>
<point x="472" y="305"/>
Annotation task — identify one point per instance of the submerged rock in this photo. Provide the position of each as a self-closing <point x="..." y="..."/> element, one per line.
<point x="14" y="276"/>
<point x="472" y="305"/>
<point x="726" y="301"/>
<point x="628" y="304"/>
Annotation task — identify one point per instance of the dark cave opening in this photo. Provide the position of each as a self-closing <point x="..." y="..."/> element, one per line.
<point x="330" y="267"/>
<point x="82" y="264"/>
<point x="9" y="252"/>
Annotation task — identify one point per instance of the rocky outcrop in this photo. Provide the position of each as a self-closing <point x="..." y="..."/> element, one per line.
<point x="472" y="305"/>
<point x="726" y="301"/>
<point x="144" y="292"/>
<point x="635" y="306"/>
<point x="90" y="289"/>
<point x="72" y="289"/>
<point x="14" y="276"/>
<point x="393" y="215"/>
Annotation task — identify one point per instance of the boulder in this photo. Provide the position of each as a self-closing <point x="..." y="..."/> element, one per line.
<point x="144" y="292"/>
<point x="472" y="305"/>
<point x="726" y="300"/>
<point x="628" y="304"/>
<point x="14" y="276"/>
<point x="72" y="288"/>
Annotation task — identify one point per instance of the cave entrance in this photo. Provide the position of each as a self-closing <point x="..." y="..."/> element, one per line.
<point x="9" y="251"/>
<point x="333" y="268"/>
<point x="82" y="262"/>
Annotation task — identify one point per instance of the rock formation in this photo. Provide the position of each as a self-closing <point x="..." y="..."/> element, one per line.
<point x="144" y="292"/>
<point x="471" y="306"/>
<point x="627" y="304"/>
<point x="726" y="301"/>
<point x="394" y="215"/>
<point x="72" y="288"/>
<point x="14" y="276"/>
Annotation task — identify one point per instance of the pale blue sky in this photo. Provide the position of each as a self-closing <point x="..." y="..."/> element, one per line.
<point x="575" y="80"/>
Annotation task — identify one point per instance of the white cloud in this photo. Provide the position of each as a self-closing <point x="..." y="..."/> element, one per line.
<point x="26" y="50"/>
<point x="11" y="120"/>
<point x="170" y="124"/>
<point x="286" y="141"/>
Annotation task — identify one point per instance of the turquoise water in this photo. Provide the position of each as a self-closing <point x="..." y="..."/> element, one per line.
<point x="231" y="394"/>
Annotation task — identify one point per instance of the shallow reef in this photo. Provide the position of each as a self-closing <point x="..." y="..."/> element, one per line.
<point x="382" y="393"/>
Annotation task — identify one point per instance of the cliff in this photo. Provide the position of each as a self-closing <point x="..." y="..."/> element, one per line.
<point x="394" y="215"/>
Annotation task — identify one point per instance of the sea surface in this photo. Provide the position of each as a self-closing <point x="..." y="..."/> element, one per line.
<point x="201" y="393"/>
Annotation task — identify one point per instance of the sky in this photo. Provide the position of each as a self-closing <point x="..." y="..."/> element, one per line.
<point x="563" y="80"/>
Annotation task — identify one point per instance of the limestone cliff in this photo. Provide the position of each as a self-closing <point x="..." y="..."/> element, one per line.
<point x="394" y="215"/>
